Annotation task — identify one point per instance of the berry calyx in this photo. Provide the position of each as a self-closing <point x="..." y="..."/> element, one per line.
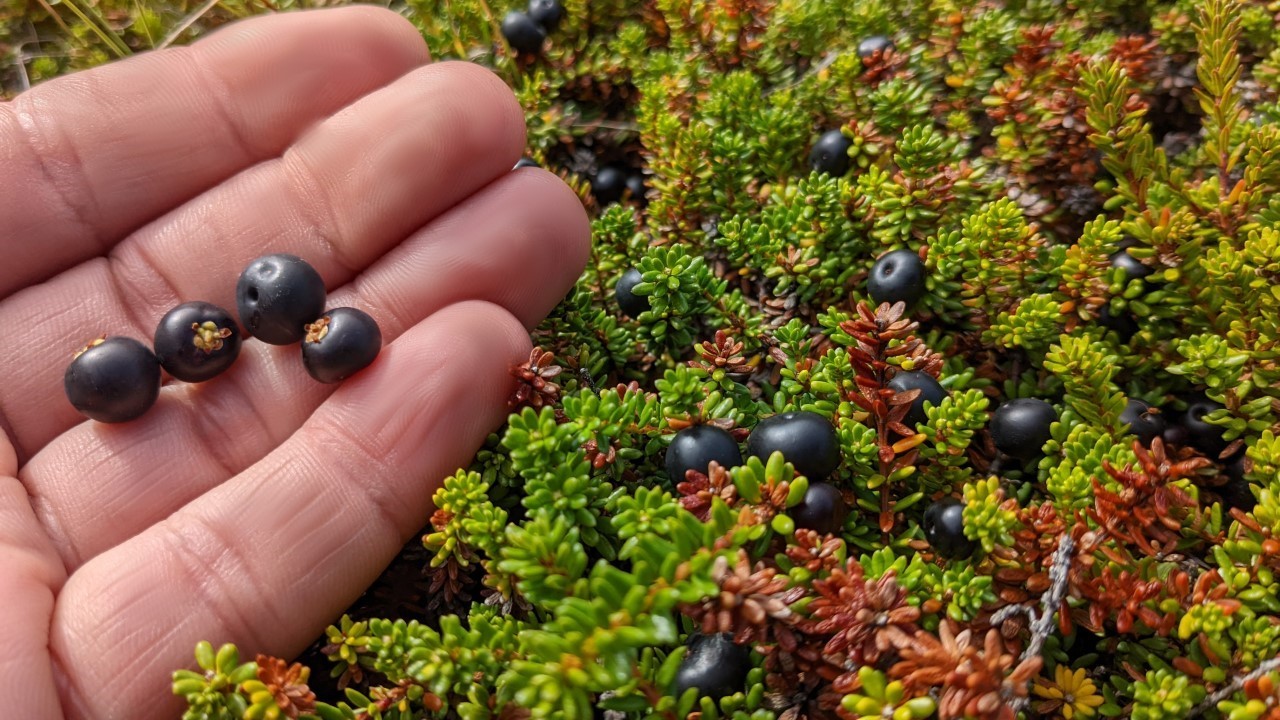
<point x="944" y="529"/>
<point x="693" y="448"/>
<point x="196" y="341"/>
<point x="547" y="13"/>
<point x="523" y="34"/>
<point x="629" y="302"/>
<point x="714" y="664"/>
<point x="823" y="509"/>
<point x="807" y="440"/>
<point x="1020" y="428"/>
<point x="830" y="154"/>
<point x="608" y="185"/>
<point x="1145" y="422"/>
<point x="276" y="296"/>
<point x="341" y="343"/>
<point x="113" y="379"/>
<point x="931" y="391"/>
<point x="872" y="45"/>
<point x="897" y="276"/>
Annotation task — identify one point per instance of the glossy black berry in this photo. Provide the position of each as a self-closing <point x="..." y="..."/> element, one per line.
<point x="525" y="162"/>
<point x="944" y="529"/>
<point x="1201" y="435"/>
<point x="930" y="391"/>
<point x="695" y="447"/>
<point x="636" y="188"/>
<point x="830" y="154"/>
<point x="822" y="510"/>
<point x="872" y="45"/>
<point x="715" y="665"/>
<point x="1130" y="265"/>
<point x="1123" y="323"/>
<point x="897" y="276"/>
<point x="1020" y="428"/>
<point x="341" y="343"/>
<point x="547" y="13"/>
<point x="1236" y="493"/>
<point x="629" y="302"/>
<point x="113" y="380"/>
<point x="608" y="185"/>
<point x="522" y="33"/>
<point x="277" y="296"/>
<point x="196" y="341"/>
<point x="807" y="440"/>
<point x="1145" y="422"/>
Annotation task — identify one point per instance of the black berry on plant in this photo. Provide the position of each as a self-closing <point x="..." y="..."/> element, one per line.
<point x="196" y="341"/>
<point x="823" y="509"/>
<point x="629" y="302"/>
<point x="830" y="154"/>
<point x="931" y="391"/>
<point x="1145" y="422"/>
<point x="695" y="447"/>
<point x="897" y="276"/>
<point x="547" y="13"/>
<point x="113" y="380"/>
<point x="341" y="343"/>
<point x="872" y="45"/>
<point x="807" y="440"/>
<point x="1131" y="266"/>
<point x="944" y="529"/>
<point x="715" y="665"/>
<point x="608" y="185"/>
<point x="1201" y="435"/>
<point x="277" y="296"/>
<point x="1123" y="323"/>
<point x="1020" y="428"/>
<point x="522" y="33"/>
<point x="635" y="186"/>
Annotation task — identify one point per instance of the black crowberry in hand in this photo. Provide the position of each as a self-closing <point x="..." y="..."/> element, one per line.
<point x="522" y="33"/>
<point x="277" y="296"/>
<point x="897" y="276"/>
<point x="629" y="302"/>
<point x="930" y="390"/>
<point x="830" y="154"/>
<point x="525" y="162"/>
<point x="196" y="341"/>
<point x="1020" y="428"/>
<point x="695" y="447"/>
<point x="715" y="665"/>
<point x="113" y="380"/>
<point x="823" y="509"/>
<point x="806" y="439"/>
<point x="340" y="344"/>
<point x="944" y="529"/>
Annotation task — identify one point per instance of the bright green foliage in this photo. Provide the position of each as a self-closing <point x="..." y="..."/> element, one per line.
<point x="879" y="698"/>
<point x="214" y="693"/>
<point x="1164" y="695"/>
<point x="987" y="520"/>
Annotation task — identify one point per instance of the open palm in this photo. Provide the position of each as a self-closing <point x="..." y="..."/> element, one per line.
<point x="254" y="507"/>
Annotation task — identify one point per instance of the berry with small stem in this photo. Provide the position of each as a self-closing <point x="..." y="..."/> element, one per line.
<point x="897" y="276"/>
<point x="113" y="379"/>
<point x="341" y="343"/>
<point x="608" y="185"/>
<point x="629" y="302"/>
<point x="1020" y="428"/>
<point x="931" y="391"/>
<point x="872" y="45"/>
<point x="715" y="665"/>
<point x="1145" y="422"/>
<point x="547" y="13"/>
<point x="823" y="509"/>
<point x="944" y="529"/>
<point x="806" y="439"/>
<point x="830" y="154"/>
<point x="695" y="447"/>
<point x="276" y="296"/>
<point x="196" y="341"/>
<point x="522" y="33"/>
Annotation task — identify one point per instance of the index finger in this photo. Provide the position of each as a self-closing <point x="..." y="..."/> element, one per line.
<point x="93" y="156"/>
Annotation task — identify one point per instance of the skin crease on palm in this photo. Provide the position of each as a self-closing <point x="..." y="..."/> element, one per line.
<point x="252" y="508"/>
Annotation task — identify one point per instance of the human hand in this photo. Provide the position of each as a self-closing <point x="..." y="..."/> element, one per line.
<point x="252" y="508"/>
